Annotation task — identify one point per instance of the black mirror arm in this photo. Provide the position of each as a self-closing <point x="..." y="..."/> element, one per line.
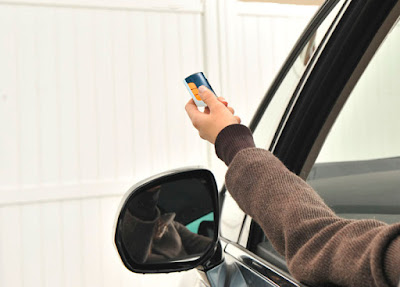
<point x="216" y="259"/>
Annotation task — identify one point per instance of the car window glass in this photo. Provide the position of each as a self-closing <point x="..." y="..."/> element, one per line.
<point x="232" y="217"/>
<point x="269" y="122"/>
<point x="357" y="171"/>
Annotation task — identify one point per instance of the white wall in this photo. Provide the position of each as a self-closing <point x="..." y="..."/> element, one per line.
<point x="91" y="101"/>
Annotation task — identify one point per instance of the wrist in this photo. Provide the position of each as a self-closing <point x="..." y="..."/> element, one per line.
<point x="231" y="140"/>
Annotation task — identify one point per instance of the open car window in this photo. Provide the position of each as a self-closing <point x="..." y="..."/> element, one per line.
<point x="357" y="171"/>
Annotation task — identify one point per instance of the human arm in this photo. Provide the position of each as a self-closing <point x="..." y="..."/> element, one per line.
<point x="139" y="224"/>
<point x="320" y="248"/>
<point x="138" y="236"/>
<point x="192" y="243"/>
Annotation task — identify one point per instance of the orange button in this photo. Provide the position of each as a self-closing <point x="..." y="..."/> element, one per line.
<point x="192" y="86"/>
<point x="196" y="94"/>
<point x="195" y="91"/>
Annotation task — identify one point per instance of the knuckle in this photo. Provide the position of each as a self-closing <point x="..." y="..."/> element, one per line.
<point x="195" y="123"/>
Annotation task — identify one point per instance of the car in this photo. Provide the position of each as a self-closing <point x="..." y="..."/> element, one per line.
<point x="331" y="116"/>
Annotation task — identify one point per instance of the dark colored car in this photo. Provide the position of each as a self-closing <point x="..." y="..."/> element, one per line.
<point x="331" y="116"/>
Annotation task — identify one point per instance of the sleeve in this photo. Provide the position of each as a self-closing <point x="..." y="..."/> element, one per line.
<point x="320" y="248"/>
<point x="231" y="140"/>
<point x="193" y="243"/>
<point x="138" y="236"/>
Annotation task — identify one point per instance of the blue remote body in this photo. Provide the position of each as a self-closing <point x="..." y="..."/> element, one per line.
<point x="193" y="82"/>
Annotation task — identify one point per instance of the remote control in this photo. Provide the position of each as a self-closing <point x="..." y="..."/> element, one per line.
<point x="193" y="82"/>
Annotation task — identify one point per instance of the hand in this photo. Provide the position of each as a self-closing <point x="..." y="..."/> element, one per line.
<point x="216" y="116"/>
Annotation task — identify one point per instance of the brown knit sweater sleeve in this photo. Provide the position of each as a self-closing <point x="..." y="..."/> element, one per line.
<point x="320" y="248"/>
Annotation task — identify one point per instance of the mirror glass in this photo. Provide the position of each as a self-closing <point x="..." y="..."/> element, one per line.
<point x="168" y="221"/>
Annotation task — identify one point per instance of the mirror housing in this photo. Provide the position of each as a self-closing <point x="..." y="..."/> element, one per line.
<point x="169" y="222"/>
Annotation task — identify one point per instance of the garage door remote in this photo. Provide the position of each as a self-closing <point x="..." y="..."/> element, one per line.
<point x="193" y="82"/>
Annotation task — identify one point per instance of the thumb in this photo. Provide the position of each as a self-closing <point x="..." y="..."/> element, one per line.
<point x="208" y="97"/>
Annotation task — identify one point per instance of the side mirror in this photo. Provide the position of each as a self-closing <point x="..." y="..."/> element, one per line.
<point x="169" y="222"/>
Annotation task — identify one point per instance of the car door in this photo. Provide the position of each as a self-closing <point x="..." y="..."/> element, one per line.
<point x="299" y="110"/>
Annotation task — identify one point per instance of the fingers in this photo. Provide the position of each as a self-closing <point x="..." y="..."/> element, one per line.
<point x="208" y="97"/>
<point x="238" y="119"/>
<point x="191" y="109"/>
<point x="207" y="110"/>
<point x="222" y="100"/>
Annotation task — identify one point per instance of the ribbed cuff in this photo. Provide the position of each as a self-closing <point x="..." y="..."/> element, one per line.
<point x="231" y="140"/>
